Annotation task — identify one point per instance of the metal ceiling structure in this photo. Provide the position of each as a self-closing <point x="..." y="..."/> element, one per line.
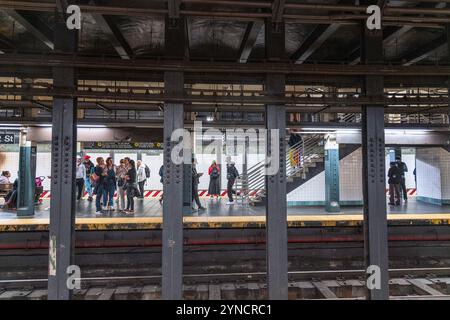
<point x="185" y="56"/>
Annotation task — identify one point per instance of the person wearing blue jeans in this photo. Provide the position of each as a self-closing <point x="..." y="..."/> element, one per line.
<point x="99" y="175"/>
<point x="89" y="171"/>
<point x="109" y="185"/>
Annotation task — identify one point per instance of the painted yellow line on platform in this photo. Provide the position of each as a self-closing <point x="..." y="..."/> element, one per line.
<point x="98" y="223"/>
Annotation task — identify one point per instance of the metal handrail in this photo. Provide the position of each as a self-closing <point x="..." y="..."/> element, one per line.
<point x="309" y="149"/>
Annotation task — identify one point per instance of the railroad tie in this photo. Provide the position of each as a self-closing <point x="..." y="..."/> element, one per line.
<point x="423" y="287"/>
<point x="324" y="290"/>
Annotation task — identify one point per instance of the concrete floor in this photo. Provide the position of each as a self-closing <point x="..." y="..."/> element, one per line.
<point x="218" y="207"/>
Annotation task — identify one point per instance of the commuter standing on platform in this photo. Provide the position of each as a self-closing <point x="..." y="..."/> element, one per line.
<point x="141" y="177"/>
<point x="295" y="155"/>
<point x="121" y="172"/>
<point x="195" y="181"/>
<point x="109" y="184"/>
<point x="161" y="174"/>
<point x="97" y="179"/>
<point x="214" y="180"/>
<point x="232" y="175"/>
<point x="131" y="186"/>
<point x="89" y="171"/>
<point x="394" y="175"/>
<point x="403" y="168"/>
<point x="80" y="177"/>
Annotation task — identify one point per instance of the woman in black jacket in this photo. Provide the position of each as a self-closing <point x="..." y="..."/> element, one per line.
<point x="98" y="179"/>
<point x="131" y="187"/>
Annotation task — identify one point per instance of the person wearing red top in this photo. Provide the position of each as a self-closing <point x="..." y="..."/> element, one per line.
<point x="214" y="180"/>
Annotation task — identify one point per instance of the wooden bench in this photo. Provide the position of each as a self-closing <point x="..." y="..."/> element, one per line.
<point x="5" y="188"/>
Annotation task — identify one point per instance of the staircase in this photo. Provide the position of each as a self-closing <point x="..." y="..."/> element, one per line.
<point x="310" y="153"/>
<point x="300" y="159"/>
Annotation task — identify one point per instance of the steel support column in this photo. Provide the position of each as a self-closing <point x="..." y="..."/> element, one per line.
<point x="332" y="175"/>
<point x="27" y="173"/>
<point x="172" y="234"/>
<point x="373" y="150"/>
<point x="64" y="142"/>
<point x="447" y="29"/>
<point x="276" y="206"/>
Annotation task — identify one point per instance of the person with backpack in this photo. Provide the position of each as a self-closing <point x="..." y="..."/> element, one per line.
<point x="232" y="175"/>
<point x="214" y="180"/>
<point x="403" y="168"/>
<point x="394" y="181"/>
<point x="143" y="173"/>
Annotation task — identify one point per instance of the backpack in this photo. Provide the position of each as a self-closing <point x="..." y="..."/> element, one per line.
<point x="214" y="173"/>
<point x="147" y="171"/>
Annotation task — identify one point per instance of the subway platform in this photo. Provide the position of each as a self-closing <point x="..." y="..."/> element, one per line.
<point x="148" y="215"/>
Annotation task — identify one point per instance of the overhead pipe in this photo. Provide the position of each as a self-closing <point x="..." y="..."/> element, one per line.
<point x="127" y="11"/>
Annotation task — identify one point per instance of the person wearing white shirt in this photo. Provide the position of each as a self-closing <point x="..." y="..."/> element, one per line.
<point x="80" y="177"/>
<point x="4" y="178"/>
<point x="141" y="177"/>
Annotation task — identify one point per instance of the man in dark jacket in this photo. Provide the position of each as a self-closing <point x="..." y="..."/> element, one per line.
<point x="161" y="174"/>
<point x="195" y="182"/>
<point x="232" y="174"/>
<point x="403" y="168"/>
<point x="394" y="175"/>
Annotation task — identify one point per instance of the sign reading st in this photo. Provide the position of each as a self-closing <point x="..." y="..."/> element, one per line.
<point x="7" y="138"/>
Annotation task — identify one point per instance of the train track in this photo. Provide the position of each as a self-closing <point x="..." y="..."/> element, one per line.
<point x="208" y="278"/>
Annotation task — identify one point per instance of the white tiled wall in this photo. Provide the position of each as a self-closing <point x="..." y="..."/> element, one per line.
<point x="43" y="167"/>
<point x="9" y="161"/>
<point x="154" y="162"/>
<point x="433" y="173"/>
<point x="350" y="177"/>
<point x="350" y="182"/>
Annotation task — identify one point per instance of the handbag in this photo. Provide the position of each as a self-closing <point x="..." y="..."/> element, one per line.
<point x="94" y="178"/>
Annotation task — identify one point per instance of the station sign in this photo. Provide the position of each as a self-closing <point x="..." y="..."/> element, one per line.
<point x="122" y="145"/>
<point x="9" y="136"/>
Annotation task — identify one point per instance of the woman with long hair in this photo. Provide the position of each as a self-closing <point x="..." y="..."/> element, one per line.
<point x="109" y="184"/>
<point x="131" y="187"/>
<point x="214" y="180"/>
<point x="97" y="179"/>
<point x="121" y="172"/>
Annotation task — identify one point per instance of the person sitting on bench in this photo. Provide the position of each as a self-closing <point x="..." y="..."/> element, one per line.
<point x="11" y="197"/>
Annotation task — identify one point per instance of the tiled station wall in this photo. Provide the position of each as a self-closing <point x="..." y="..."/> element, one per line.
<point x="350" y="183"/>
<point x="433" y="175"/>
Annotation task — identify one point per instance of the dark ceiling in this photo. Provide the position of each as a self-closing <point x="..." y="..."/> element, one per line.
<point x="220" y="38"/>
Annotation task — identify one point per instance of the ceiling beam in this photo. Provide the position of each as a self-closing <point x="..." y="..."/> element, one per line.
<point x="426" y="51"/>
<point x="5" y="43"/>
<point x="115" y="37"/>
<point x="313" y="42"/>
<point x="158" y="65"/>
<point x="398" y="32"/>
<point x="278" y="10"/>
<point x="34" y="25"/>
<point x="249" y="40"/>
<point x="316" y="38"/>
<point x="173" y="7"/>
